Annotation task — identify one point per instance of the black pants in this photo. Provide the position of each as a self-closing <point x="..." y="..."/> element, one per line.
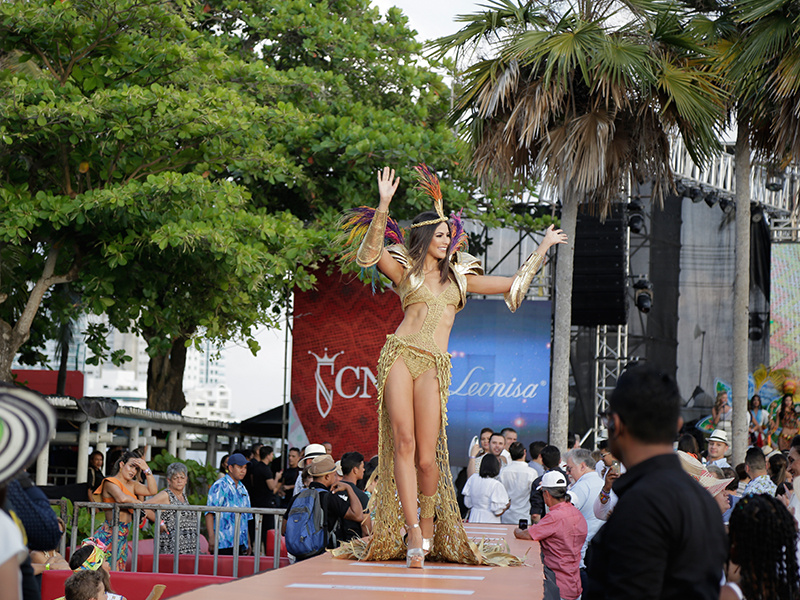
<point x="229" y="551"/>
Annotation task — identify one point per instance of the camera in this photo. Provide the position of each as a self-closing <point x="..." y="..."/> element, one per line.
<point x="523" y="523"/>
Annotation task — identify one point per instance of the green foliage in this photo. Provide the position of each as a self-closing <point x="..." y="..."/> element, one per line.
<point x="201" y="477"/>
<point x="183" y="164"/>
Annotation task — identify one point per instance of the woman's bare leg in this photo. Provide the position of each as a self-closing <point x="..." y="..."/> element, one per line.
<point x="427" y="422"/>
<point x="398" y="394"/>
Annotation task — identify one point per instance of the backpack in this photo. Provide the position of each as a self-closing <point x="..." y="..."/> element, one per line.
<point x="305" y="525"/>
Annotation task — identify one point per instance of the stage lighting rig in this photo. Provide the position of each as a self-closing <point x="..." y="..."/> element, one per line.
<point x="636" y="215"/>
<point x="643" y="295"/>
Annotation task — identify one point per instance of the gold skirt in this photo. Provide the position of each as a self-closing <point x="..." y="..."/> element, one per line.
<point x="450" y="542"/>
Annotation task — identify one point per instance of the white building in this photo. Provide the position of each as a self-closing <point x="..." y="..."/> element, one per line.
<point x="207" y="396"/>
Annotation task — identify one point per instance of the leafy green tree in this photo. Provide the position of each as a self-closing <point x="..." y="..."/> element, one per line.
<point x="585" y="96"/>
<point x="373" y="100"/>
<point x="117" y="150"/>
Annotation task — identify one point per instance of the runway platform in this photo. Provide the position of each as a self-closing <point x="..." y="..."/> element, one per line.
<point x="315" y="578"/>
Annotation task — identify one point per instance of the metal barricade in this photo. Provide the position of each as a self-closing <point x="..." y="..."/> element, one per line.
<point x="158" y="509"/>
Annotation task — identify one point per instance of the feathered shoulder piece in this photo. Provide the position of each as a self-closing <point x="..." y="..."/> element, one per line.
<point x="354" y="224"/>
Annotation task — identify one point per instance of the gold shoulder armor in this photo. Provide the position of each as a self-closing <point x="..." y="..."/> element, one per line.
<point x="400" y="253"/>
<point x="466" y="264"/>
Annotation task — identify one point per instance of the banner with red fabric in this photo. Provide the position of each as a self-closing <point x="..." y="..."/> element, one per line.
<point x="500" y="376"/>
<point x="339" y="330"/>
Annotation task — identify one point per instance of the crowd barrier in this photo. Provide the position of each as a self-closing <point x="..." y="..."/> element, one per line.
<point x="198" y="563"/>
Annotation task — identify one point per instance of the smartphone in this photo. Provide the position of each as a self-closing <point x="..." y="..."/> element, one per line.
<point x="473" y="443"/>
<point x="615" y="467"/>
<point x="523" y="523"/>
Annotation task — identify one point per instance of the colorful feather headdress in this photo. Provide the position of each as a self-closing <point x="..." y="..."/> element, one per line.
<point x="428" y="182"/>
<point x="355" y="222"/>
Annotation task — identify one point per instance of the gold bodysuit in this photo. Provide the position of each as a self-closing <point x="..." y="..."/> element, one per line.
<point x="420" y="353"/>
<point x="420" y="349"/>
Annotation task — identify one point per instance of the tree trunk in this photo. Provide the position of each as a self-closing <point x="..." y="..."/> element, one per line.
<point x="61" y="381"/>
<point x="10" y="343"/>
<point x="741" y="294"/>
<point x="559" y="391"/>
<point x="12" y="337"/>
<point x="165" y="378"/>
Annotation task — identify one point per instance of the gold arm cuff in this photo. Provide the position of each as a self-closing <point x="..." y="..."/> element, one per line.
<point x="371" y="247"/>
<point x="522" y="281"/>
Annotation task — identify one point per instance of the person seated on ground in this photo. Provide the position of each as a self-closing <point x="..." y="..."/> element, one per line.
<point x="175" y="494"/>
<point x="756" y="466"/>
<point x="85" y="585"/>
<point x="486" y="497"/>
<point x="561" y="535"/>
<point x="92" y="558"/>
<point x="123" y="487"/>
<point x="326" y="482"/>
<point x="352" y="465"/>
<point x="551" y="459"/>
<point x="762" y="554"/>
<point x="49" y="560"/>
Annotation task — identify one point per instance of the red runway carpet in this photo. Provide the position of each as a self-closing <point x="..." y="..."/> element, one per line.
<point x="311" y="579"/>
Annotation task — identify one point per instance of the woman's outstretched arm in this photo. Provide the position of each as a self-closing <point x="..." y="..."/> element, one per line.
<point x="371" y="252"/>
<point x="493" y="284"/>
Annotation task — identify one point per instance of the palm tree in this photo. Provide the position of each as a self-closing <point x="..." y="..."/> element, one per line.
<point x="755" y="50"/>
<point x="584" y="95"/>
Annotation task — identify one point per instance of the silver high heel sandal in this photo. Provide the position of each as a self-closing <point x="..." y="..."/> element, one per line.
<point x="415" y="557"/>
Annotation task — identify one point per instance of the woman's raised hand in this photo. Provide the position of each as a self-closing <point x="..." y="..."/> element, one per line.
<point x="387" y="186"/>
<point x="554" y="236"/>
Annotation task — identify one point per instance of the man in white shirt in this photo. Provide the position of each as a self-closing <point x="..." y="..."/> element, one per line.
<point x="517" y="478"/>
<point x="587" y="486"/>
<point x="496" y="446"/>
<point x="717" y="447"/>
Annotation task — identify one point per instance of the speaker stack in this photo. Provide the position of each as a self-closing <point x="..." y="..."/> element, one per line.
<point x="599" y="284"/>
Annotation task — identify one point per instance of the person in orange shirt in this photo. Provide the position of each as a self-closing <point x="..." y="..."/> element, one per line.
<point x="123" y="487"/>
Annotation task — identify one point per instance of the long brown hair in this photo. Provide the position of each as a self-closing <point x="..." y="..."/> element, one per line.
<point x="418" y="242"/>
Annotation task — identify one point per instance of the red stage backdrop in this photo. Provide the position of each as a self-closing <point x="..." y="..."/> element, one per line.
<point x="339" y="330"/>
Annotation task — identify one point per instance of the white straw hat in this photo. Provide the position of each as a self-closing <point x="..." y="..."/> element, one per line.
<point x="26" y="423"/>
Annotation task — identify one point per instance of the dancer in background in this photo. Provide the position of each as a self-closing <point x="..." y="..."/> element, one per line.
<point x="432" y="275"/>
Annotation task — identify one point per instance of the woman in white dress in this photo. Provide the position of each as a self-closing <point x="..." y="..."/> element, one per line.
<point x="486" y="497"/>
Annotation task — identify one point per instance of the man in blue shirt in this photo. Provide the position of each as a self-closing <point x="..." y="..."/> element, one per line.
<point x="230" y="492"/>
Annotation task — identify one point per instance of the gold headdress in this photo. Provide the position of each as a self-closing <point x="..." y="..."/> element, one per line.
<point x="429" y="183"/>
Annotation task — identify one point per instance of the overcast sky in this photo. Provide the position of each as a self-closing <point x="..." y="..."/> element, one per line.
<point x="257" y="382"/>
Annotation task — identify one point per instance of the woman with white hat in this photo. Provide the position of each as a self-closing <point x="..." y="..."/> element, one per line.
<point x="26" y="422"/>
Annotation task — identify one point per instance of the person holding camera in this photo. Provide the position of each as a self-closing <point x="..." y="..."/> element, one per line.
<point x="561" y="534"/>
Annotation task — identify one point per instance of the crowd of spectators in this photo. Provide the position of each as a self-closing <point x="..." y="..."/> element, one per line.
<point x="642" y="515"/>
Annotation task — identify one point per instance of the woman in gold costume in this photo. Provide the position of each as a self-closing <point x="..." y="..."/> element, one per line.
<point x="432" y="279"/>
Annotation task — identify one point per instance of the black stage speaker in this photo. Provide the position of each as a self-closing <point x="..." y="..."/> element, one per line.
<point x="599" y="283"/>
